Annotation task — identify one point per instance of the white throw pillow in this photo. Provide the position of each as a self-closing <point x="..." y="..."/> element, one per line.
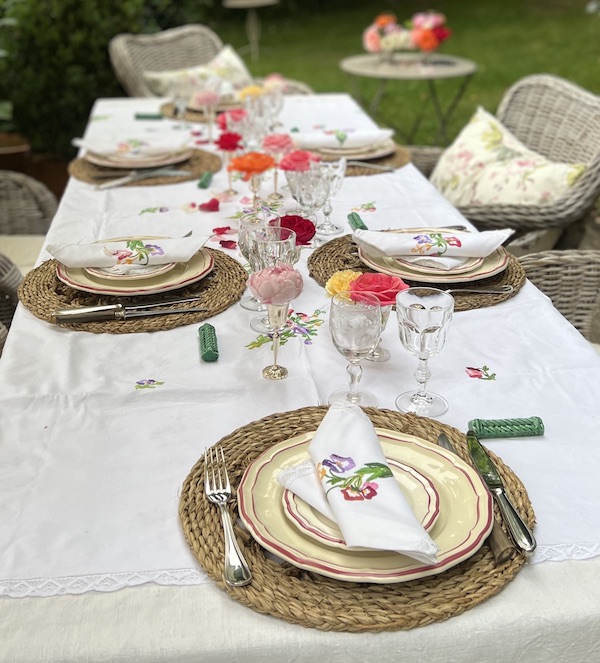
<point x="486" y="164"/>
<point x="226" y="66"/>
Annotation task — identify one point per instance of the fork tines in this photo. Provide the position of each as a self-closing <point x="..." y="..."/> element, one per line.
<point x="215" y="471"/>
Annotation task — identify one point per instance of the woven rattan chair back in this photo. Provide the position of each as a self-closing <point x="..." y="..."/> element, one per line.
<point x="26" y="206"/>
<point x="177" y="48"/>
<point x="10" y="278"/>
<point x="3" y="335"/>
<point x="559" y="120"/>
<point x="572" y="281"/>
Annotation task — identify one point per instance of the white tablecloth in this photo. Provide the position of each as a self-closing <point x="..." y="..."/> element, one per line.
<point x="92" y="456"/>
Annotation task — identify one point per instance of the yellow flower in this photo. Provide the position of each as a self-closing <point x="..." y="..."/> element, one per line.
<point x="340" y="281"/>
<point x="250" y="91"/>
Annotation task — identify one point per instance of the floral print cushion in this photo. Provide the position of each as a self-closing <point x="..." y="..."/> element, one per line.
<point x="226" y="66"/>
<point x="487" y="165"/>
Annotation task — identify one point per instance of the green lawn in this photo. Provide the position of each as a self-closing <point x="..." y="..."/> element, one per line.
<point x="507" y="39"/>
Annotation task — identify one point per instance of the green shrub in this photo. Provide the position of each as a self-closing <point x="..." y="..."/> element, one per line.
<point x="57" y="64"/>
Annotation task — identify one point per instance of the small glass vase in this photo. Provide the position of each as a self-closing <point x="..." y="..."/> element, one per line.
<point x="277" y="314"/>
<point x="378" y="353"/>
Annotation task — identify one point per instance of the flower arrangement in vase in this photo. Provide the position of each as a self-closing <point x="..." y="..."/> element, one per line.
<point x="424" y="32"/>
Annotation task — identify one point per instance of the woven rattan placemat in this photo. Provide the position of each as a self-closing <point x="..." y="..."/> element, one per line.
<point x="168" y="110"/>
<point x="397" y="159"/>
<point x="306" y="598"/>
<point x="200" y="162"/>
<point x="342" y="253"/>
<point x="42" y="293"/>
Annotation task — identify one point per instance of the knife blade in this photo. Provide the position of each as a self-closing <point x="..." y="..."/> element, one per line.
<point x="500" y="545"/>
<point x="113" y="312"/>
<point x="142" y="176"/>
<point x="519" y="531"/>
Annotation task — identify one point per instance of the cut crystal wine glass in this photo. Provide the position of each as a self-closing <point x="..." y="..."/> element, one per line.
<point x="423" y="318"/>
<point x="355" y="326"/>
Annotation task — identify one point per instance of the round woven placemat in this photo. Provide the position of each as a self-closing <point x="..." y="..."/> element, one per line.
<point x="199" y="162"/>
<point x="397" y="159"/>
<point x="168" y="110"/>
<point x="42" y="293"/>
<point x="312" y="600"/>
<point x="342" y="253"/>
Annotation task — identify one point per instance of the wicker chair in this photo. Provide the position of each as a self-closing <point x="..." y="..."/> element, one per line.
<point x="559" y="120"/>
<point x="177" y="48"/>
<point x="10" y="278"/>
<point x="26" y="206"/>
<point x="572" y="281"/>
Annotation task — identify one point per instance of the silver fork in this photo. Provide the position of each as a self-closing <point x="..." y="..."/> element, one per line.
<point x="218" y="490"/>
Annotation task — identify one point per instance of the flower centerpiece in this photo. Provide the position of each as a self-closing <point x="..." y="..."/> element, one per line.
<point x="276" y="287"/>
<point x="383" y="286"/>
<point x="252" y="165"/>
<point x="424" y="32"/>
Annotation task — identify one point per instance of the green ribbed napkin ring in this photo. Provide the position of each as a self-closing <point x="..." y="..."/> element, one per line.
<point x="209" y="350"/>
<point x="486" y="428"/>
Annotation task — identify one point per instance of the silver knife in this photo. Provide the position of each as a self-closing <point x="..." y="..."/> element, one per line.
<point x="113" y="312"/>
<point x="501" y="546"/>
<point x="519" y="531"/>
<point x="142" y="176"/>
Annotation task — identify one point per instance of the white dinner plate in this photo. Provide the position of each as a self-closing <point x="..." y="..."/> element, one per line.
<point x="146" y="271"/>
<point x="362" y="153"/>
<point x="167" y="158"/>
<point x="464" y="521"/>
<point x="418" y="490"/>
<point x="492" y="265"/>
<point x="182" y="274"/>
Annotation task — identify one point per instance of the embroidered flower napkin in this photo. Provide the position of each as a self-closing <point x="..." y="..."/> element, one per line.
<point x="121" y="148"/>
<point x="444" y="250"/>
<point x="122" y="257"/>
<point x="357" y="489"/>
<point x="345" y="140"/>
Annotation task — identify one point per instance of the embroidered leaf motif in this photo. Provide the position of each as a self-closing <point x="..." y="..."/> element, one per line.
<point x="298" y="324"/>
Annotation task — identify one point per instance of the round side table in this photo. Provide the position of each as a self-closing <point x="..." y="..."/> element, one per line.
<point x="412" y="67"/>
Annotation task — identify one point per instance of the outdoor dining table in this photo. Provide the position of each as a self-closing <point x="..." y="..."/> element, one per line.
<point x="99" y="431"/>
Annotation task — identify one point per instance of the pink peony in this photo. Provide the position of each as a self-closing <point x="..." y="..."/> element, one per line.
<point x="298" y="160"/>
<point x="235" y="115"/>
<point x="276" y="285"/>
<point x="277" y="143"/>
<point x="205" y="98"/>
<point x="372" y="39"/>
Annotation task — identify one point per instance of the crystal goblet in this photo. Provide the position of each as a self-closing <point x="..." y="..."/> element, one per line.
<point x="271" y="246"/>
<point x="423" y="318"/>
<point x="333" y="172"/>
<point x="355" y="326"/>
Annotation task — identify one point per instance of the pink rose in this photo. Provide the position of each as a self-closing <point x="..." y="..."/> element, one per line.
<point x="234" y="115"/>
<point x="304" y="228"/>
<point x="383" y="286"/>
<point x="277" y="143"/>
<point x="298" y="160"/>
<point x="276" y="285"/>
<point x="205" y="98"/>
<point x="371" y="40"/>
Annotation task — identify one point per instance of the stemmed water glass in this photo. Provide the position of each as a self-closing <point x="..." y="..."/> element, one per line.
<point x="423" y="318"/>
<point x="333" y="172"/>
<point x="355" y="326"/>
<point x="180" y="92"/>
<point x="312" y="191"/>
<point x="271" y="245"/>
<point x="245" y="245"/>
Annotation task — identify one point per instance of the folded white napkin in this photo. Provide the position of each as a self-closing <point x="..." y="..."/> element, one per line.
<point x="315" y="140"/>
<point x="357" y="489"/>
<point x="132" y="148"/>
<point x="123" y="257"/>
<point x="444" y="250"/>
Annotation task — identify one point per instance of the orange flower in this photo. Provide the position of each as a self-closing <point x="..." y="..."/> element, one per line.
<point x="384" y="19"/>
<point x="425" y="39"/>
<point x="252" y="163"/>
